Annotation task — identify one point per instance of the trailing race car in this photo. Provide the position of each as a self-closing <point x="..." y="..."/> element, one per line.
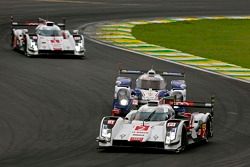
<point x="150" y="85"/>
<point x="158" y="125"/>
<point x="46" y="38"/>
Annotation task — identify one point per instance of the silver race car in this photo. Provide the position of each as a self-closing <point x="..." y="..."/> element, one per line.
<point x="149" y="85"/>
<point x="46" y="38"/>
<point x="164" y="124"/>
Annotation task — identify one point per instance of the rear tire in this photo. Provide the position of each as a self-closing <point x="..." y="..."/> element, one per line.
<point x="13" y="41"/>
<point x="209" y="128"/>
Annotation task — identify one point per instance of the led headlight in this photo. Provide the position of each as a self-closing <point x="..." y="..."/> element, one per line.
<point x="168" y="141"/>
<point x="123" y="97"/>
<point x="78" y="48"/>
<point x="106" y="133"/>
<point x="33" y="46"/>
<point x="171" y="135"/>
<point x="178" y="96"/>
<point x="183" y="86"/>
<point x="124" y="102"/>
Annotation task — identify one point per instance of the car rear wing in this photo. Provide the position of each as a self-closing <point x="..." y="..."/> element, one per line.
<point x="191" y="104"/>
<point x="35" y="23"/>
<point x="162" y="73"/>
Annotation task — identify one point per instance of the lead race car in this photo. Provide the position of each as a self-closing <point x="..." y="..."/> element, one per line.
<point x="159" y="125"/>
<point x="44" y="37"/>
<point x="150" y="85"/>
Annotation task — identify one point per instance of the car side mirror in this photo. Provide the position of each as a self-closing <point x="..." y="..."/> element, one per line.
<point x="25" y="31"/>
<point x="75" y="32"/>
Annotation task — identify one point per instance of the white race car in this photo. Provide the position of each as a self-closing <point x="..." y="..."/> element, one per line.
<point x="150" y="85"/>
<point x="164" y="125"/>
<point x="46" y="38"/>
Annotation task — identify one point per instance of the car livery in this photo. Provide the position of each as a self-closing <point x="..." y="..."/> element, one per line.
<point x="45" y="38"/>
<point x="158" y="125"/>
<point x="150" y="85"/>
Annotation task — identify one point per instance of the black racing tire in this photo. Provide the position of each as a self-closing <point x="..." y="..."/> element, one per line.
<point x="25" y="49"/>
<point x="184" y="141"/>
<point x="12" y="41"/>
<point x="209" y="131"/>
<point x="26" y="53"/>
<point x="209" y="128"/>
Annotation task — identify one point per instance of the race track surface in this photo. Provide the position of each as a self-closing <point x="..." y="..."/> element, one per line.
<point x="51" y="107"/>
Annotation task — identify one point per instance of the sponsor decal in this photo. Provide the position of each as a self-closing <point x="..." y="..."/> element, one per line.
<point x="171" y="124"/>
<point x="139" y="139"/>
<point x="203" y="130"/>
<point x="122" y="136"/>
<point x="138" y="134"/>
<point x="111" y="122"/>
<point x="77" y="38"/>
<point x="56" y="44"/>
<point x="184" y="103"/>
<point x="32" y="24"/>
<point x="55" y="41"/>
<point x="155" y="137"/>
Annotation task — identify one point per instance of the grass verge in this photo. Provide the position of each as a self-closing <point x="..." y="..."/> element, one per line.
<point x="227" y="40"/>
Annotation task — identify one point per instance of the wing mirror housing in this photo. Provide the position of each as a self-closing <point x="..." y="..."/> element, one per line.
<point x="75" y="32"/>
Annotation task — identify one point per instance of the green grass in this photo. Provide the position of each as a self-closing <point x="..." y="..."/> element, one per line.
<point x="227" y="40"/>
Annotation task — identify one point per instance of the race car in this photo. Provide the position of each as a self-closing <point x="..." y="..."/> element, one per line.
<point x="159" y="125"/>
<point x="150" y="85"/>
<point x="44" y="37"/>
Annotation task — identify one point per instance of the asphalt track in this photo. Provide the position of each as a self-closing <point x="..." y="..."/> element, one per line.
<point x="50" y="108"/>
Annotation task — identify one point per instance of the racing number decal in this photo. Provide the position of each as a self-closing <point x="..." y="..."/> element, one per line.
<point x="139" y="133"/>
<point x="142" y="128"/>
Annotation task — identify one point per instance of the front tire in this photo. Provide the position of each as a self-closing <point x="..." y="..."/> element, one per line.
<point x="13" y="41"/>
<point x="26" y="50"/>
<point x="184" y="141"/>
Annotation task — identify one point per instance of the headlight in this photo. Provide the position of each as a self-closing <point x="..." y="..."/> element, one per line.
<point x="106" y="133"/>
<point x="33" y="46"/>
<point x="124" y="102"/>
<point x="183" y="86"/>
<point x="171" y="135"/>
<point x="123" y="96"/>
<point x="178" y="96"/>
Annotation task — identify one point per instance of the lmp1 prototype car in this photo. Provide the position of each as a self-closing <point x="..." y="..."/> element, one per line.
<point x="158" y="125"/>
<point x="46" y="38"/>
<point x="150" y="85"/>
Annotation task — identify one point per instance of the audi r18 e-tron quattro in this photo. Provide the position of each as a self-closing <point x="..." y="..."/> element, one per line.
<point x="150" y="85"/>
<point x="44" y="37"/>
<point x="158" y="125"/>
